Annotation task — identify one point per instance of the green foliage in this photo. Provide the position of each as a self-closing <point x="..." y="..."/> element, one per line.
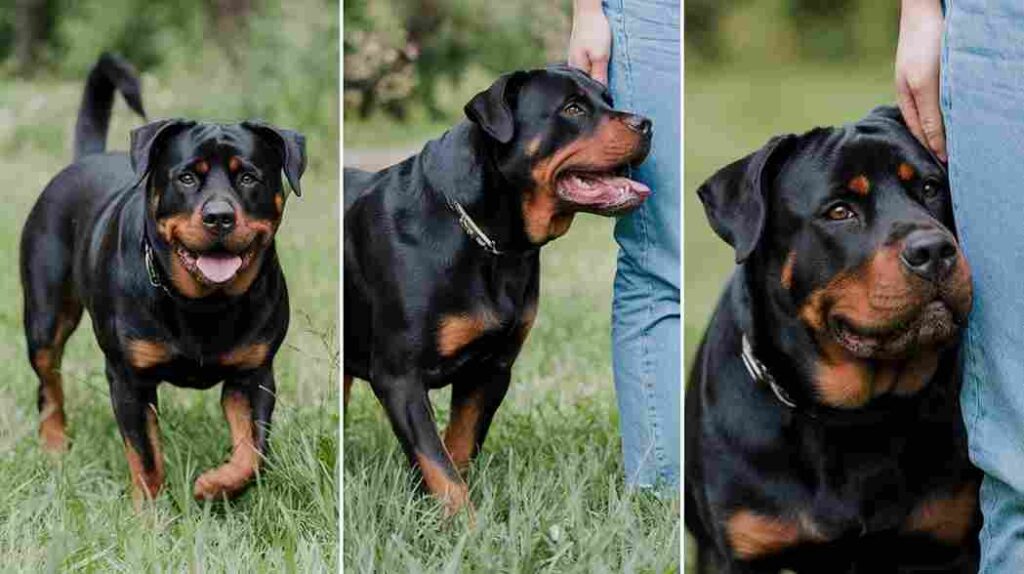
<point x="400" y="53"/>
<point x="780" y="31"/>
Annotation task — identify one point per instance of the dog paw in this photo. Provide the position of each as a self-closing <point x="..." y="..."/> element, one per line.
<point x="52" y="436"/>
<point x="225" y="481"/>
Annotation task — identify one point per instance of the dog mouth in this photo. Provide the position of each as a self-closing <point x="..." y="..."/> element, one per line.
<point x="606" y="193"/>
<point x="934" y="326"/>
<point x="214" y="267"/>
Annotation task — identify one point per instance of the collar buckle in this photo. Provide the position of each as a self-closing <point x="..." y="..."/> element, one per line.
<point x="759" y="372"/>
<point x="473" y="230"/>
<point x="154" y="275"/>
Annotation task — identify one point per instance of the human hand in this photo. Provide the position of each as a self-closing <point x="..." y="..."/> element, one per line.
<point x="590" y="44"/>
<point x="917" y="72"/>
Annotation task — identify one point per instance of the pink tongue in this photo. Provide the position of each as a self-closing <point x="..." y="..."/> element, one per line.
<point x="218" y="268"/>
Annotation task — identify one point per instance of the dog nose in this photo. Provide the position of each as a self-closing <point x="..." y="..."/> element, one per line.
<point x="218" y="216"/>
<point x="639" y="124"/>
<point x="929" y="254"/>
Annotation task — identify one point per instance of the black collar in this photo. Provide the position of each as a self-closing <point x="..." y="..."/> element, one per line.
<point x="471" y="228"/>
<point x="151" y="268"/>
<point x="760" y="373"/>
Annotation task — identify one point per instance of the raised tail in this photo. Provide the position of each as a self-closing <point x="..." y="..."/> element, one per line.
<point x="110" y="72"/>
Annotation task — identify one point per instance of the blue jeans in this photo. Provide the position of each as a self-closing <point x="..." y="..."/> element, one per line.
<point x="644" y="78"/>
<point x="983" y="107"/>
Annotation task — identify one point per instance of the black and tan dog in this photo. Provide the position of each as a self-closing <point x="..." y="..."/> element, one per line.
<point x="171" y="250"/>
<point x="823" y="430"/>
<point x="441" y="252"/>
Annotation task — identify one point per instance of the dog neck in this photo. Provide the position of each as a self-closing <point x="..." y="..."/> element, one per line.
<point x="461" y="169"/>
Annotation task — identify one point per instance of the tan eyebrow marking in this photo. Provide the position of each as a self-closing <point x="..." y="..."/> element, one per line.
<point x="905" y="172"/>
<point x="860" y="185"/>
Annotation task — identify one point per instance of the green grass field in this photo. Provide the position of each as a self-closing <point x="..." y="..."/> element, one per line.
<point x="548" y="487"/>
<point x="74" y="513"/>
<point x="731" y="112"/>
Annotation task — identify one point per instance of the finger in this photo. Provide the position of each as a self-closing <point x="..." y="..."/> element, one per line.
<point x="579" y="59"/>
<point x="930" y="113"/>
<point x="599" y="70"/>
<point x="909" y="110"/>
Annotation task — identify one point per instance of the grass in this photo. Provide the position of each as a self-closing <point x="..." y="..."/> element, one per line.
<point x="733" y="111"/>
<point x="74" y="513"/>
<point x="548" y="487"/>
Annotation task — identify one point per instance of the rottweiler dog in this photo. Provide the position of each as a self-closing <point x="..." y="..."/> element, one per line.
<point x="170" y="248"/>
<point x="442" y="252"/>
<point x="823" y="430"/>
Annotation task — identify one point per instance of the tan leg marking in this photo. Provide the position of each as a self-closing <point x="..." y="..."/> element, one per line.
<point x="456" y="331"/>
<point x="231" y="477"/>
<point x="460" y="435"/>
<point x="453" y="494"/>
<point x="52" y="423"/>
<point x="348" y="388"/>
<point x="146" y="483"/>
<point x="247" y="356"/>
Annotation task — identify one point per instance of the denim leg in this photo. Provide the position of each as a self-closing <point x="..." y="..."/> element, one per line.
<point x="983" y="107"/>
<point x="644" y="78"/>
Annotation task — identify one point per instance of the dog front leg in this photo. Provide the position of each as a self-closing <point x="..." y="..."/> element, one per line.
<point x="408" y="408"/>
<point x="135" y="408"/>
<point x="248" y="403"/>
<point x="475" y="398"/>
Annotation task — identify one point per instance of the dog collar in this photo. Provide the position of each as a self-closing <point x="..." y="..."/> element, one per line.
<point x="472" y="229"/>
<point x="151" y="270"/>
<point x="759" y="372"/>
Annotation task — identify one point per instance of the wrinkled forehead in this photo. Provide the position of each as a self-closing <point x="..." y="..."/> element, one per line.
<point x="558" y="83"/>
<point x="826" y="160"/>
<point x="216" y="141"/>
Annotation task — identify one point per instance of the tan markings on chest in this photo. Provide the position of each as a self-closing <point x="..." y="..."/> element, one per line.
<point x="753" y="535"/>
<point x="246" y="357"/>
<point x="145" y="354"/>
<point x="456" y="331"/>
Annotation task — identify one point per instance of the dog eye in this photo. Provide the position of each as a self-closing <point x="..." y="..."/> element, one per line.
<point x="247" y="179"/>
<point x="187" y="179"/>
<point x="840" y="212"/>
<point x="931" y="189"/>
<point x="574" y="109"/>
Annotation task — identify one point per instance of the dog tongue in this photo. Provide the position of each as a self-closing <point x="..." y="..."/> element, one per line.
<point x="218" y="268"/>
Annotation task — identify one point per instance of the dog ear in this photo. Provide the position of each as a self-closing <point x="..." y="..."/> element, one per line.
<point x="292" y="147"/>
<point x="145" y="139"/>
<point x="491" y="110"/>
<point x="735" y="198"/>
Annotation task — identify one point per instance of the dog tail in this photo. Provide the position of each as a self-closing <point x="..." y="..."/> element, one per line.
<point x="110" y="73"/>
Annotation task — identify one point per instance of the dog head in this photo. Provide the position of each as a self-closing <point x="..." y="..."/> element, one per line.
<point x="849" y="232"/>
<point x="214" y="198"/>
<point x="557" y="139"/>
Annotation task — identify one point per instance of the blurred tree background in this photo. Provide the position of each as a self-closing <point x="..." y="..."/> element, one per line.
<point x="403" y="57"/>
<point x="788" y="31"/>
<point x="256" y="58"/>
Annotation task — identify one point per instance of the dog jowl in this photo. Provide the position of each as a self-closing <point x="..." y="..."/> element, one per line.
<point x="170" y="248"/>
<point x="442" y="252"/>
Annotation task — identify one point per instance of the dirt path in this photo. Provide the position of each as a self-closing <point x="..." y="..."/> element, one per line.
<point x="374" y="159"/>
